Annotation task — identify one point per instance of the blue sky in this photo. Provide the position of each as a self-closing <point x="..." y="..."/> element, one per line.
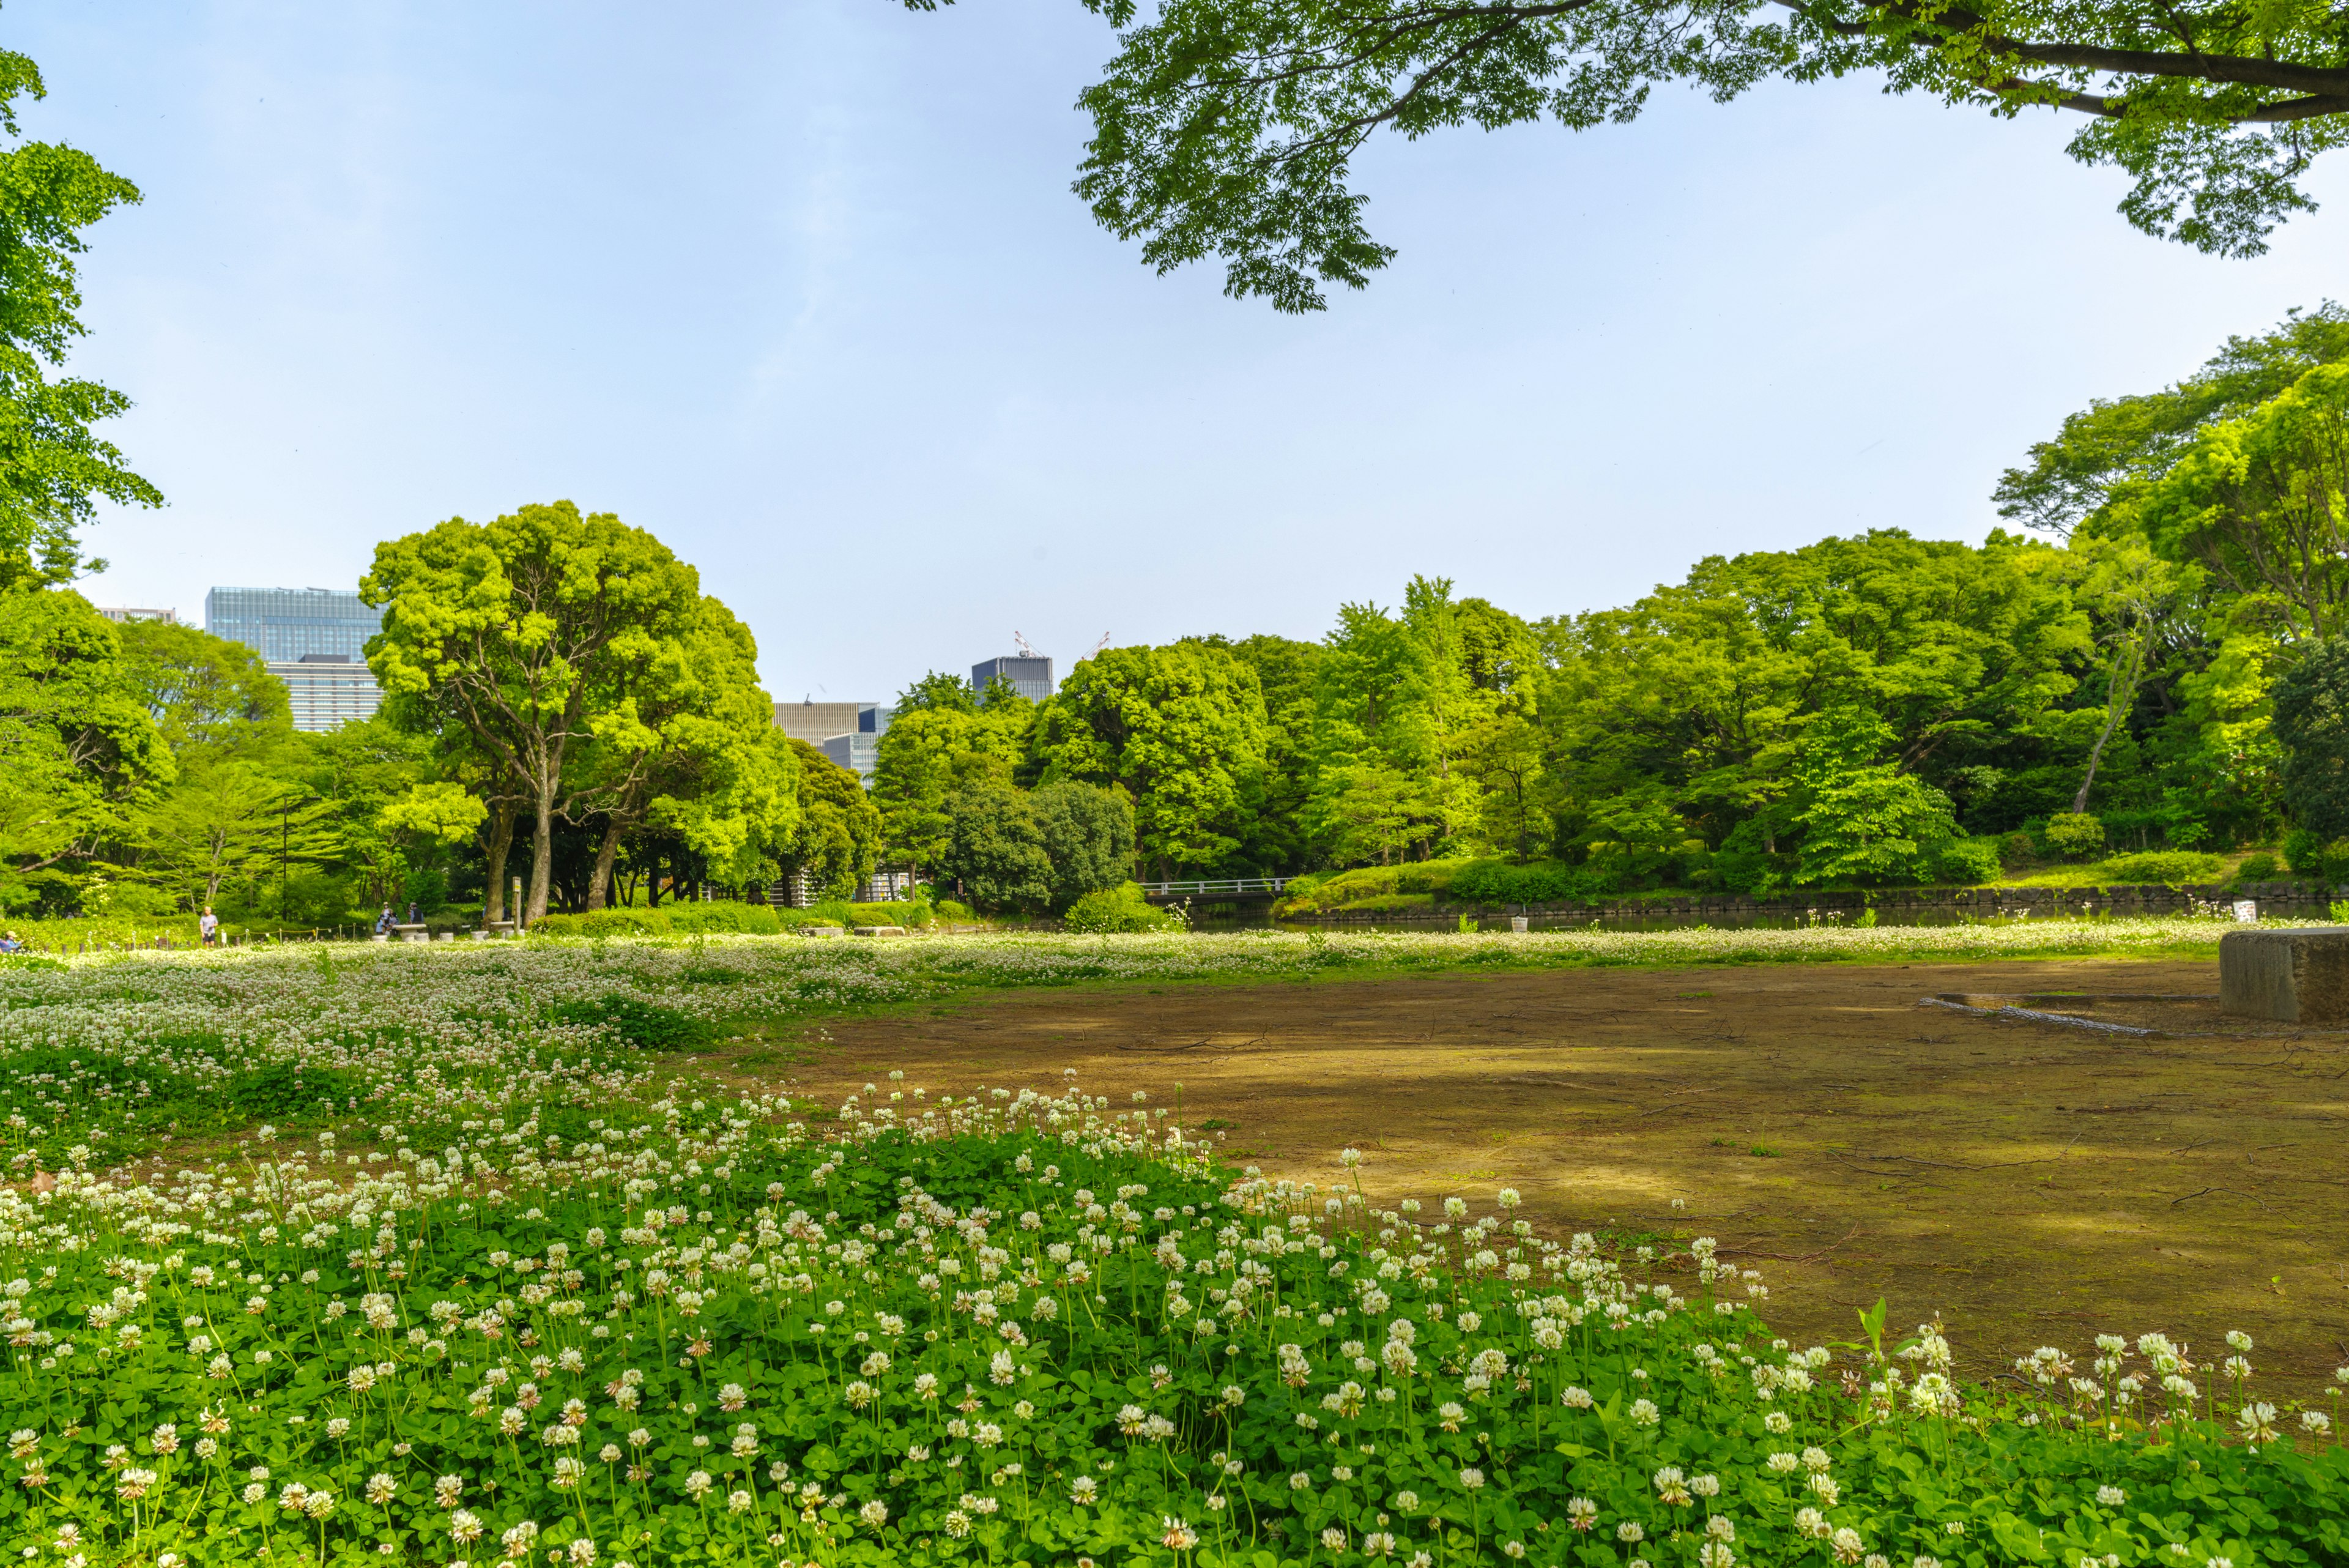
<point x="800" y="287"/>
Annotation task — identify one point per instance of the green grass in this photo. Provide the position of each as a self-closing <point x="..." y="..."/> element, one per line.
<point x="2171" y="867"/>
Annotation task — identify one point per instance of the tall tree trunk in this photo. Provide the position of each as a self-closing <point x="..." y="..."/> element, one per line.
<point x="542" y="857"/>
<point x="501" y="823"/>
<point x="2119" y="698"/>
<point x="599" y="884"/>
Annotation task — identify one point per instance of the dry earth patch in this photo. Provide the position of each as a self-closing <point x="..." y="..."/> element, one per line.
<point x="2034" y="1184"/>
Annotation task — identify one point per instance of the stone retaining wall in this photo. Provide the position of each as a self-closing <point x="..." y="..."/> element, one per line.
<point x="1890" y="903"/>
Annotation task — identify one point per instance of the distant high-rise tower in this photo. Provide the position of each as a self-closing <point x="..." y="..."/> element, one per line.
<point x="313" y="640"/>
<point x="1030" y="675"/>
<point x="283" y="624"/>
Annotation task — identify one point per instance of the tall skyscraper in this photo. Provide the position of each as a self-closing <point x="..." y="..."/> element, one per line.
<point x="1031" y="674"/>
<point x="283" y="624"/>
<point x="313" y="640"/>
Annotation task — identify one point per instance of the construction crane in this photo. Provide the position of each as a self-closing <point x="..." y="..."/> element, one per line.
<point x="1020" y="643"/>
<point x="1099" y="646"/>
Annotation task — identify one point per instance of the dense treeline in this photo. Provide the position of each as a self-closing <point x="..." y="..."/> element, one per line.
<point x="561" y="698"/>
<point x="2154" y="663"/>
<point x="1868" y="709"/>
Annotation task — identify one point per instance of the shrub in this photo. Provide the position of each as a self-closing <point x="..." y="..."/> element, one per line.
<point x="2260" y="867"/>
<point x="2172" y="867"/>
<point x="683" y="919"/>
<point x="1498" y="882"/>
<point x="1967" y="862"/>
<point x="2333" y="866"/>
<point x="110" y="931"/>
<point x="725" y="915"/>
<point x="2017" y="851"/>
<point x="2075" y="833"/>
<point x="604" y="923"/>
<point x="1119" y="908"/>
<point x="2304" y="851"/>
<point x="910" y="912"/>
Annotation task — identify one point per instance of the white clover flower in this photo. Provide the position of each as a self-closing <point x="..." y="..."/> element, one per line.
<point x="2111" y="1496"/>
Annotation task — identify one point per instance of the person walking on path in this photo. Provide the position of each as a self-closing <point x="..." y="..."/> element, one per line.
<point x="208" y="926"/>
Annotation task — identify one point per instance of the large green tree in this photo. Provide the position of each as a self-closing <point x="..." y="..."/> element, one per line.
<point x="80" y="749"/>
<point x="995" y="852"/>
<point x="1411" y="724"/>
<point x="1276" y="838"/>
<point x="2312" y="726"/>
<point x="837" y="842"/>
<point x="529" y="632"/>
<point x="1229" y="127"/>
<point x="2111" y="451"/>
<point x="2258" y="503"/>
<point x="937" y="744"/>
<point x="53" y="467"/>
<point x="688" y="744"/>
<point x="1179" y="728"/>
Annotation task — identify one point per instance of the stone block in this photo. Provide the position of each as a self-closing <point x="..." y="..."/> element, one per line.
<point x="2290" y="974"/>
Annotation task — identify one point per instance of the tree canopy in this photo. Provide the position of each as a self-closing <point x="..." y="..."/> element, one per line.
<point x="532" y="633"/>
<point x="52" y="465"/>
<point x="1229" y="127"/>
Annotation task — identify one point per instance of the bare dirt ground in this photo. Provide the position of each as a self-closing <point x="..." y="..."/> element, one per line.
<point x="2034" y="1184"/>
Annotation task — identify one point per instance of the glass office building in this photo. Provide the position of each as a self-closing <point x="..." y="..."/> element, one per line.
<point x="282" y="624"/>
<point x="313" y="640"/>
<point x="1031" y="676"/>
<point x="327" y="691"/>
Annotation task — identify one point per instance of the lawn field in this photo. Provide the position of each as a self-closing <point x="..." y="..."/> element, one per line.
<point x="1194" y="1252"/>
<point x="2033" y="1183"/>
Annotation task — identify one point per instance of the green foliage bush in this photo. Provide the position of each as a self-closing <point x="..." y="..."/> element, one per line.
<point x="1115" y="909"/>
<point x="2333" y="865"/>
<point x="2304" y="851"/>
<point x="2258" y="868"/>
<point x="1498" y="882"/>
<point x="1967" y="862"/>
<point x="2171" y="867"/>
<point x="689" y="919"/>
<point x="604" y="923"/>
<point x="911" y="913"/>
<point x="2073" y="835"/>
<point x="682" y="920"/>
<point x="72" y="934"/>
